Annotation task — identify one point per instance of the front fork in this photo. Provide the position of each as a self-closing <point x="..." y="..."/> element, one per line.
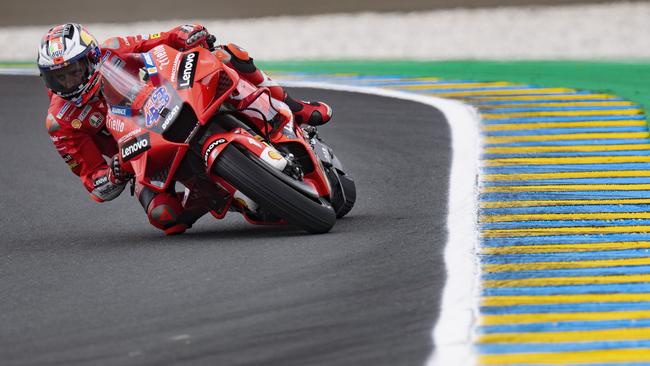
<point x="342" y="187"/>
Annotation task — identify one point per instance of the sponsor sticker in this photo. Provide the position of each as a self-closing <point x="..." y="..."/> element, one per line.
<point x="161" y="56"/>
<point x="84" y="112"/>
<point x="149" y="64"/>
<point x="148" y="61"/>
<point x="254" y="142"/>
<point x="177" y="59"/>
<point x="120" y="111"/>
<point x="274" y="155"/>
<point x="158" y="100"/>
<point x="96" y="119"/>
<point x="56" y="48"/>
<point x="106" y="56"/>
<point x="170" y="117"/>
<point x="186" y="70"/>
<point x="106" y="191"/>
<point x="135" y="147"/>
<point x="115" y="125"/>
<point x="154" y="35"/>
<point x="70" y="161"/>
<point x="211" y="147"/>
<point x="129" y="135"/>
<point x="76" y="124"/>
<point x="99" y="181"/>
<point x="241" y="202"/>
<point x="63" y="109"/>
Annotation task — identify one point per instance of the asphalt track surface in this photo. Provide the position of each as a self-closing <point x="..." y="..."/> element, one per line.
<point x="88" y="283"/>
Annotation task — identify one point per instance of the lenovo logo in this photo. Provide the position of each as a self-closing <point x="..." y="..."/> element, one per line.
<point x="186" y="70"/>
<point x="211" y="147"/>
<point x="135" y="147"/>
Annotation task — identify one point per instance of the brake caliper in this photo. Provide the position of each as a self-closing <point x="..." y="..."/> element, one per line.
<point x="293" y="168"/>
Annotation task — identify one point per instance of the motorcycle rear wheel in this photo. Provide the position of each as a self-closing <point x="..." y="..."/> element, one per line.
<point x="254" y="179"/>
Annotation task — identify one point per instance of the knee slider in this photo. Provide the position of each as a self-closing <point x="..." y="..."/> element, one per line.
<point x="163" y="212"/>
<point x="240" y="60"/>
<point x="238" y="52"/>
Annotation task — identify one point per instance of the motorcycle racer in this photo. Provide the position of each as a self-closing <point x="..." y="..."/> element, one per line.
<point x="69" y="59"/>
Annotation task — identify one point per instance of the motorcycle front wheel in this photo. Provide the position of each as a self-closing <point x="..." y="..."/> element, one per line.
<point x="255" y="180"/>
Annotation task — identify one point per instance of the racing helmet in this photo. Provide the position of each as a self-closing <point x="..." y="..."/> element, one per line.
<point x="69" y="59"/>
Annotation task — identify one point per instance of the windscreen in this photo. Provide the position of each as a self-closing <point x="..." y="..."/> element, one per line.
<point x="122" y="82"/>
<point x="156" y="107"/>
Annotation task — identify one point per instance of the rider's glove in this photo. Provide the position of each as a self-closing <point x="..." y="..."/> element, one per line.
<point x="189" y="36"/>
<point x="117" y="174"/>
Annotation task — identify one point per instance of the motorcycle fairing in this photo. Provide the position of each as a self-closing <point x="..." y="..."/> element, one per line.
<point x="189" y="91"/>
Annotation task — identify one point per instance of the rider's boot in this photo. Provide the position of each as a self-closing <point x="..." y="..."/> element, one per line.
<point x="311" y="113"/>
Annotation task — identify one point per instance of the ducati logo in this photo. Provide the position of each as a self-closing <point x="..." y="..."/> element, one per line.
<point x="170" y="117"/>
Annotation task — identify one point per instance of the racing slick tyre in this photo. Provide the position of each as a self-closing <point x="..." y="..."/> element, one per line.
<point x="254" y="179"/>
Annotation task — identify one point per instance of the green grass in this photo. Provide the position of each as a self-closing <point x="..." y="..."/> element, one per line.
<point x="18" y="64"/>
<point x="630" y="80"/>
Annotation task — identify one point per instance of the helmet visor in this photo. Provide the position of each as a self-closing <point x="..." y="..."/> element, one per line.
<point x="70" y="79"/>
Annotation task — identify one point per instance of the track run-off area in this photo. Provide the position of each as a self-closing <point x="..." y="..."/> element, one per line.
<point x="563" y="220"/>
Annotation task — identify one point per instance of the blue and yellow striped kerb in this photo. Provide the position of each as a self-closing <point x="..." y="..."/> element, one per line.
<point x="564" y="221"/>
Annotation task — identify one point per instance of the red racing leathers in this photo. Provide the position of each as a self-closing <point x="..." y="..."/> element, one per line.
<point x="81" y="138"/>
<point x="79" y="133"/>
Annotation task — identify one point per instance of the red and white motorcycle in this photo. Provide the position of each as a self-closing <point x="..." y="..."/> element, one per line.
<point x="194" y="117"/>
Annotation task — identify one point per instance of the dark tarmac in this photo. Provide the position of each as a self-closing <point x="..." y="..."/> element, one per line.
<point x="86" y="283"/>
